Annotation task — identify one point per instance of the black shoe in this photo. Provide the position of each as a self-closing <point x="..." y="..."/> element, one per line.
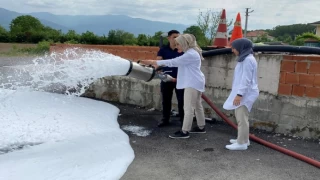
<point x="179" y="135"/>
<point x="198" y="130"/>
<point x="163" y="124"/>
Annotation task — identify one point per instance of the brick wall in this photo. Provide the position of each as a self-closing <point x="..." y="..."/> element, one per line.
<point x="133" y="53"/>
<point x="300" y="76"/>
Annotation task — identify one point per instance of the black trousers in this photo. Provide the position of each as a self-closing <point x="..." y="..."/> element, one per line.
<point x="167" y="89"/>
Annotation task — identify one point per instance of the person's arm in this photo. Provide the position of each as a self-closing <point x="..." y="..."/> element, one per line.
<point x="184" y="59"/>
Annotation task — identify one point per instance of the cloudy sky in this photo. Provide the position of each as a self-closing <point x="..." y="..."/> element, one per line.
<point x="267" y="13"/>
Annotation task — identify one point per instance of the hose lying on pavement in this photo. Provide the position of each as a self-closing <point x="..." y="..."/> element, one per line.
<point x="263" y="142"/>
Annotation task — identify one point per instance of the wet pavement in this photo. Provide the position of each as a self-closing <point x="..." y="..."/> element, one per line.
<point x="203" y="156"/>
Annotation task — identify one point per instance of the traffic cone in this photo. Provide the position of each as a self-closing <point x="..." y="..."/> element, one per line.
<point x="237" y="30"/>
<point x="221" y="39"/>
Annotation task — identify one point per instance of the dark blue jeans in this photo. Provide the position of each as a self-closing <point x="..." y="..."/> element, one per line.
<point x="167" y="89"/>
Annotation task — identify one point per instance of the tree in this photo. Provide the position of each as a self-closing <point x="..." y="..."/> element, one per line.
<point x="291" y="30"/>
<point x="4" y="35"/>
<point x="208" y="22"/>
<point x="196" y="31"/>
<point x="72" y="36"/>
<point x="128" y="38"/>
<point x="22" y="28"/>
<point x="52" y="34"/>
<point x="308" y="35"/>
<point x="300" y="39"/>
<point x="143" y="40"/>
<point x="262" y="38"/>
<point x="89" y="38"/>
<point x="155" y="39"/>
<point x="120" y="37"/>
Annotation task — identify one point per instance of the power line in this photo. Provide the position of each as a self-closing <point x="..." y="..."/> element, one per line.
<point x="247" y="14"/>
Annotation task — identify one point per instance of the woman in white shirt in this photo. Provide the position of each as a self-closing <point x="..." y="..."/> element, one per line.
<point x="191" y="79"/>
<point x="244" y="91"/>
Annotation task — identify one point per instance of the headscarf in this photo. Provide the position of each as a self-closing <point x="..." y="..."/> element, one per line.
<point x="244" y="46"/>
<point x="188" y="41"/>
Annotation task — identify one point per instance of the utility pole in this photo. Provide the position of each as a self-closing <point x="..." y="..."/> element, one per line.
<point x="247" y="14"/>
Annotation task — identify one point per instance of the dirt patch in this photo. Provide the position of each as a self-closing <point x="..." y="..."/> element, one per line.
<point x="6" y="47"/>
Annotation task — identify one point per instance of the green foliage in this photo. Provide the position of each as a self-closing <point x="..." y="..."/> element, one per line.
<point x="143" y="40"/>
<point x="155" y="39"/>
<point x="72" y="36"/>
<point x="196" y="31"/>
<point x="291" y="30"/>
<point x="308" y="35"/>
<point x="42" y="48"/>
<point x="88" y="38"/>
<point x="23" y="28"/>
<point x="208" y="22"/>
<point x="262" y="38"/>
<point x="4" y="35"/>
<point x="28" y="29"/>
<point x="120" y="37"/>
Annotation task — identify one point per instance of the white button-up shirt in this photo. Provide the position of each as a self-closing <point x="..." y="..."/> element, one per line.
<point x="189" y="72"/>
<point x="244" y="83"/>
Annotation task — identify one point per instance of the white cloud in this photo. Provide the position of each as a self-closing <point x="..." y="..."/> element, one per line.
<point x="267" y="14"/>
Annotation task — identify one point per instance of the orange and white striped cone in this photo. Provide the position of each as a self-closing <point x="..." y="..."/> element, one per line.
<point x="221" y="39"/>
<point x="237" y="30"/>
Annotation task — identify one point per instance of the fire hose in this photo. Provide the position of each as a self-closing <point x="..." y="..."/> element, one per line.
<point x="261" y="141"/>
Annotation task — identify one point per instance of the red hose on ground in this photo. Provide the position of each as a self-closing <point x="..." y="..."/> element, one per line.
<point x="266" y="143"/>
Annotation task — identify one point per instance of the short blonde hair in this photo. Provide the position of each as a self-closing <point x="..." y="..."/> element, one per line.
<point x="187" y="41"/>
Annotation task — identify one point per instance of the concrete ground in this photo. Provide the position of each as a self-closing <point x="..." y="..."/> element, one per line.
<point x="203" y="156"/>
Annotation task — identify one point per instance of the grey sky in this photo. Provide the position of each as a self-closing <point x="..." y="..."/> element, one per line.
<point x="267" y="13"/>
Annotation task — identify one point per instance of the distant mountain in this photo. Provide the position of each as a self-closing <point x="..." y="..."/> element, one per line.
<point x="97" y="24"/>
<point x="7" y="16"/>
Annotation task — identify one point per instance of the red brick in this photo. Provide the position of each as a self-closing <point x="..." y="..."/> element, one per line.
<point x="285" y="89"/>
<point x="299" y="58"/>
<point x="282" y="77"/>
<point x="316" y="80"/>
<point x="306" y="79"/>
<point x="292" y="78"/>
<point x="301" y="67"/>
<point x="314" y="68"/>
<point x="142" y="55"/>
<point x="287" y="57"/>
<point x="312" y="92"/>
<point x="298" y="90"/>
<point x="288" y="66"/>
<point x="314" y="58"/>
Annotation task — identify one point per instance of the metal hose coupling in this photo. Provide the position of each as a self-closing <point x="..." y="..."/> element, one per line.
<point x="142" y="72"/>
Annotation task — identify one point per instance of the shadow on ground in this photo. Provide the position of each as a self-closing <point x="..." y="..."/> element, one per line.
<point x="203" y="156"/>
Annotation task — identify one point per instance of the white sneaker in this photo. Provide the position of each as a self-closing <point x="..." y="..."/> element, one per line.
<point x="236" y="146"/>
<point x="232" y="141"/>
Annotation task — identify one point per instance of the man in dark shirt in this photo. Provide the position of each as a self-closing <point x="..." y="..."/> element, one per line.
<point x="168" y="52"/>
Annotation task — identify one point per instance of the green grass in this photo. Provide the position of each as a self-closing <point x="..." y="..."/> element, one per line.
<point x="41" y="48"/>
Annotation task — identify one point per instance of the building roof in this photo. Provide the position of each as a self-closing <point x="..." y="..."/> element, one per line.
<point x="257" y="33"/>
<point x="315" y="23"/>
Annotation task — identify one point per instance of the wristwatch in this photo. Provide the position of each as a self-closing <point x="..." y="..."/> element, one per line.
<point x="239" y="95"/>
